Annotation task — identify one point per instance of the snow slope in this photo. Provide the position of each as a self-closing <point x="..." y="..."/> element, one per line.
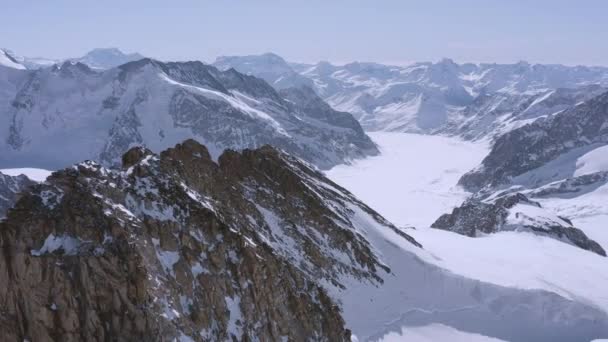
<point x="435" y="332"/>
<point x="594" y="161"/>
<point x="9" y="61"/>
<point x="37" y="175"/>
<point x="412" y="183"/>
<point x="589" y="211"/>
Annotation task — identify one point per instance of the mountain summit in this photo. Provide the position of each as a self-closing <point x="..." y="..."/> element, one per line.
<point x="106" y="58"/>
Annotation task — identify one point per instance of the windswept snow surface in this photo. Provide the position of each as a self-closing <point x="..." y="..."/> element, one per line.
<point x="413" y="182"/>
<point x="9" y="62"/>
<point x="594" y="161"/>
<point x="435" y="332"/>
<point x="37" y="175"/>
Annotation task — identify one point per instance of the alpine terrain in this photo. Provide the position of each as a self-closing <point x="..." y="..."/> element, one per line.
<point x="83" y="113"/>
<point x="257" y="245"/>
<point x="469" y="100"/>
<point x="260" y="199"/>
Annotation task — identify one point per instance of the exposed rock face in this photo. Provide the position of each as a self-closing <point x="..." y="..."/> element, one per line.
<point x="534" y="145"/>
<point x="513" y="212"/>
<point x="10" y="187"/>
<point x="258" y="245"/>
<point x="99" y="115"/>
<point x="176" y="246"/>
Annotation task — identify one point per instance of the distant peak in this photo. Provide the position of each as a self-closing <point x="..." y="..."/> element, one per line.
<point x="447" y="61"/>
<point x="274" y="56"/>
<point x="105" y="58"/>
<point x="266" y="57"/>
<point x="107" y="51"/>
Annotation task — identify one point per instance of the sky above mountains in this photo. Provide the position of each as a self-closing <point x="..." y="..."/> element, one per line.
<point x="340" y="31"/>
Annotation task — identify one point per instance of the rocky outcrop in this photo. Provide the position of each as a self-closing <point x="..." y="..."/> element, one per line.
<point x="10" y="187"/>
<point x="178" y="246"/>
<point x="258" y="245"/>
<point x="513" y="212"/>
<point x="534" y="145"/>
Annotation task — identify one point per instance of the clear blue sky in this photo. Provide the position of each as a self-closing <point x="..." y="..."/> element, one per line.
<point x="390" y="31"/>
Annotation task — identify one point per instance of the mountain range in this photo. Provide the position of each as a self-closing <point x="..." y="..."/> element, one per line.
<point x="84" y="113"/>
<point x="469" y="100"/>
<point x="190" y="201"/>
<point x="100" y="58"/>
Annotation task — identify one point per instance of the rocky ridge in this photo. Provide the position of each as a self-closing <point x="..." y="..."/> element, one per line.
<point x="259" y="244"/>
<point x="151" y="247"/>
<point x="513" y="212"/>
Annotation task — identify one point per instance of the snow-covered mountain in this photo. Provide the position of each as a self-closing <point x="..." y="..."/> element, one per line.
<point x="177" y="246"/>
<point x="79" y="113"/>
<point x="471" y="100"/>
<point x="106" y="58"/>
<point x="570" y="143"/>
<point x="100" y="58"/>
<point x="269" y="67"/>
<point x="12" y="60"/>
<point x="556" y="159"/>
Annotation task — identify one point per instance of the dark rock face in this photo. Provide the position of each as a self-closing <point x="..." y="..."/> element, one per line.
<point x="474" y="217"/>
<point x="10" y="187"/>
<point x="177" y="246"/>
<point x="536" y="144"/>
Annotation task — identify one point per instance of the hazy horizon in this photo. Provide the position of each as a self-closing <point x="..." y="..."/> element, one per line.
<point x="389" y="32"/>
